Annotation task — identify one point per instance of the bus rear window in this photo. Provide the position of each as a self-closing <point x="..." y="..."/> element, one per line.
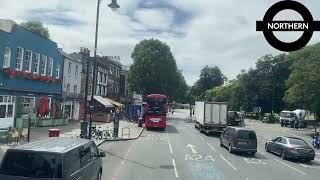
<point x="32" y="164"/>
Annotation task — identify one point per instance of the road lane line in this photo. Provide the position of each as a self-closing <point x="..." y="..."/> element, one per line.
<point x="170" y="148"/>
<point x="175" y="168"/>
<point x="290" y="166"/>
<point x="201" y="137"/>
<point x="211" y="147"/>
<point x="234" y="168"/>
<point x="318" y="154"/>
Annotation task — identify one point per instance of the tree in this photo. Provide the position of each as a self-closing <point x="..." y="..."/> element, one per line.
<point x="154" y="70"/>
<point x="303" y="83"/>
<point x="36" y="27"/>
<point x="210" y="77"/>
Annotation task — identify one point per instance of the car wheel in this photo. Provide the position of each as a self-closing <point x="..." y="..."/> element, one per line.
<point x="266" y="147"/>
<point x="283" y="155"/>
<point x="230" y="148"/>
<point x="282" y="124"/>
<point x="99" y="175"/>
<point x="221" y="145"/>
<point x="252" y="154"/>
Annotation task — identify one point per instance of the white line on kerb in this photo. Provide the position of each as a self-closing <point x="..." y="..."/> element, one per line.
<point x="211" y="147"/>
<point x="175" y="168"/>
<point x="234" y="168"/>
<point x="290" y="167"/>
<point x="201" y="137"/>
<point x="170" y="148"/>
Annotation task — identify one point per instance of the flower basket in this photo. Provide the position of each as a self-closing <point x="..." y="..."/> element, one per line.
<point x="9" y="72"/>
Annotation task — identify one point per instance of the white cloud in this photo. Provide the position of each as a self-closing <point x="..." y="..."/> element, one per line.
<point x="159" y="19"/>
<point x="220" y="32"/>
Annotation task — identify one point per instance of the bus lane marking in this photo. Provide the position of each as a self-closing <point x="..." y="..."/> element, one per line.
<point x="234" y="168"/>
<point x="254" y="161"/>
<point x="175" y="168"/>
<point x="290" y="166"/>
<point x="198" y="157"/>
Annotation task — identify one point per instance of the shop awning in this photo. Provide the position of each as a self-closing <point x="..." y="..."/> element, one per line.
<point x="115" y="103"/>
<point x="102" y="101"/>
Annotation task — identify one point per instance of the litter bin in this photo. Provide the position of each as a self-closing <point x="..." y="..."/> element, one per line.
<point x="53" y="132"/>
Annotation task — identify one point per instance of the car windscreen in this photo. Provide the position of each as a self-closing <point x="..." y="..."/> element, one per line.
<point x="286" y="115"/>
<point x="297" y="142"/>
<point x="245" y="134"/>
<point x="32" y="164"/>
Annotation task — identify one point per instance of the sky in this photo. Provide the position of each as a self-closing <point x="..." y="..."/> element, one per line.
<point x="199" y="32"/>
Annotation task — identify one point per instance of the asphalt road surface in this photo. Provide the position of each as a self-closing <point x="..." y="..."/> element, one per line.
<point x="182" y="152"/>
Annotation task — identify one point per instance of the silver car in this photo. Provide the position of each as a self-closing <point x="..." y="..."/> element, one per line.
<point x="290" y="148"/>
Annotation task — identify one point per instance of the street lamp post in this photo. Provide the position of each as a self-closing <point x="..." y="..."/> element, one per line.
<point x="273" y="86"/>
<point x="113" y="5"/>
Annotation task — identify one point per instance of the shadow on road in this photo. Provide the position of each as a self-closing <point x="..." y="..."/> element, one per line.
<point x="135" y="162"/>
<point x="170" y="129"/>
<point x="139" y="163"/>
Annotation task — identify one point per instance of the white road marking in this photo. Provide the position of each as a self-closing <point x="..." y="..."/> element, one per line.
<point x="192" y="148"/>
<point x="175" y="168"/>
<point x="170" y="148"/>
<point x="318" y="154"/>
<point x="290" y="166"/>
<point x="261" y="152"/>
<point x="234" y="168"/>
<point x="317" y="159"/>
<point x="211" y="147"/>
<point x="201" y="137"/>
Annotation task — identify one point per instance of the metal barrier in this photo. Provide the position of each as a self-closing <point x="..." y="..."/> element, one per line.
<point x="128" y="134"/>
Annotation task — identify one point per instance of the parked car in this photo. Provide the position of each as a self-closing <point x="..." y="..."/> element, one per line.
<point x="290" y="148"/>
<point x="239" y="139"/>
<point x="53" y="158"/>
<point x="268" y="119"/>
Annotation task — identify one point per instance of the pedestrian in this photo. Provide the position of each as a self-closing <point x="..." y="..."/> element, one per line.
<point x="296" y="123"/>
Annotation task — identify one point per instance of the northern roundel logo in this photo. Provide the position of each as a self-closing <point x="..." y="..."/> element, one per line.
<point x="268" y="25"/>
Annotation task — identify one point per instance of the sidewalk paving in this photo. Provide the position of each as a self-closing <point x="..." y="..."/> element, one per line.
<point x="73" y="130"/>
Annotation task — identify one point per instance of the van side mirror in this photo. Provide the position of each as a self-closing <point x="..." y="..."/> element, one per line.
<point x="102" y="154"/>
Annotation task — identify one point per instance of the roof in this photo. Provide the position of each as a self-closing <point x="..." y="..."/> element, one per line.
<point x="101" y="100"/>
<point x="54" y="144"/>
<point x="156" y="96"/>
<point x="240" y="128"/>
<point x="6" y="25"/>
<point x="72" y="57"/>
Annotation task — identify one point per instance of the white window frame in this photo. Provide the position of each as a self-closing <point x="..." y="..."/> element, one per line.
<point x="69" y="68"/>
<point x="68" y="88"/>
<point x="26" y="101"/>
<point x="58" y="71"/>
<point x="19" y="60"/>
<point x="6" y="57"/>
<point x="36" y="63"/>
<point x="43" y="59"/>
<point x="75" y="89"/>
<point x="76" y="70"/>
<point x="50" y="66"/>
<point x="28" y="59"/>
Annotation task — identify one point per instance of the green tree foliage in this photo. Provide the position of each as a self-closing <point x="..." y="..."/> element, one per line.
<point x="210" y="77"/>
<point x="37" y="27"/>
<point x="304" y="80"/>
<point x="154" y="70"/>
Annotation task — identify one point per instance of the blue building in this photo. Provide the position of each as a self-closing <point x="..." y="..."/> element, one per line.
<point x="31" y="71"/>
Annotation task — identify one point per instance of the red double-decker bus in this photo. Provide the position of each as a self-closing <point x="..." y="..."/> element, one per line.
<point x="155" y="111"/>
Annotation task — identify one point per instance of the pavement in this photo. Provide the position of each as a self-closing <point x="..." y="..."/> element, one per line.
<point x="182" y="152"/>
<point x="127" y="130"/>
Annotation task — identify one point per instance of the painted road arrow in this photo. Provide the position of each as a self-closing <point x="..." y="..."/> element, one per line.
<point x="192" y="148"/>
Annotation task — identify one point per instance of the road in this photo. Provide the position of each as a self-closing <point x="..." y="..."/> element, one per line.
<point x="182" y="152"/>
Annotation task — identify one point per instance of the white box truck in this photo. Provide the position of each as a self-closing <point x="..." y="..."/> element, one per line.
<point x="211" y="116"/>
